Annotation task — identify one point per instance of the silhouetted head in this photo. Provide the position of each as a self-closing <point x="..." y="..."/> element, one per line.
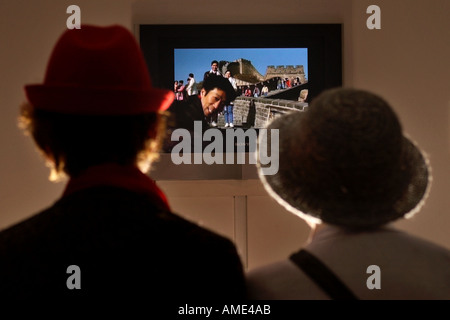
<point x="346" y="162"/>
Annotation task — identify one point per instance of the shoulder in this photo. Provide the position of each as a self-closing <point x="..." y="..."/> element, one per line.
<point x="102" y="209"/>
<point x="29" y="233"/>
<point x="280" y="280"/>
<point x="402" y="259"/>
<point x="110" y="212"/>
<point x="117" y="234"/>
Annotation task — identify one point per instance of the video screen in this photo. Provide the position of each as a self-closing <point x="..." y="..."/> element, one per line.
<point x="269" y="81"/>
<point x="279" y="71"/>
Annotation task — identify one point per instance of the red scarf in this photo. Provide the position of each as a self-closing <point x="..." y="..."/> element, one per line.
<point x="111" y="174"/>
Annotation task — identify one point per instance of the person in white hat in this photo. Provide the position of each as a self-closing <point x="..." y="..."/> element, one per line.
<point x="346" y="168"/>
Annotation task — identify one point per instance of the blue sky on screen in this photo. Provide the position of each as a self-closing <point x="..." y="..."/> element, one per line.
<point x="198" y="61"/>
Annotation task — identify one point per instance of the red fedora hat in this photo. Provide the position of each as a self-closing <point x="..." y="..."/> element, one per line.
<point x="98" y="71"/>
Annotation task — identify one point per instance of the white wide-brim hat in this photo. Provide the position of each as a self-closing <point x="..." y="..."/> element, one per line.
<point x="346" y="162"/>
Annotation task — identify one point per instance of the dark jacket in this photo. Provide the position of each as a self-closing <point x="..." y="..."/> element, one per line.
<point x="183" y="114"/>
<point x="127" y="244"/>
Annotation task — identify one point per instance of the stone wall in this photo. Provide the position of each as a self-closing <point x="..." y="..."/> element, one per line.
<point x="243" y="71"/>
<point x="246" y="74"/>
<point x="272" y="70"/>
<point x="290" y="72"/>
<point x="286" y="72"/>
<point x="255" y="112"/>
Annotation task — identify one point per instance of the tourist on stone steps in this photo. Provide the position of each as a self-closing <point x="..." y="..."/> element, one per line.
<point x="191" y="88"/>
<point x="265" y="90"/>
<point x="175" y="87"/>
<point x="288" y="83"/>
<point x="181" y="91"/>
<point x="248" y="92"/>
<point x="279" y="84"/>
<point x="213" y="71"/>
<point x="256" y="92"/>
<point x="228" y="110"/>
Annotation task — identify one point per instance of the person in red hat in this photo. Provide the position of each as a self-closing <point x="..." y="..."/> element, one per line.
<point x="96" y="118"/>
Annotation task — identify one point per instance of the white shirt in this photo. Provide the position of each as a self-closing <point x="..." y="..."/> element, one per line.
<point x="191" y="88"/>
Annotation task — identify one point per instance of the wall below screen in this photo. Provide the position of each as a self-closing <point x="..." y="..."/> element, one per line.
<point x="233" y="209"/>
<point x="164" y="169"/>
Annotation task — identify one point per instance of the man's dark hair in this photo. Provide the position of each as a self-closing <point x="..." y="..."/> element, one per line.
<point x="214" y="61"/>
<point x="191" y="75"/>
<point x="222" y="83"/>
